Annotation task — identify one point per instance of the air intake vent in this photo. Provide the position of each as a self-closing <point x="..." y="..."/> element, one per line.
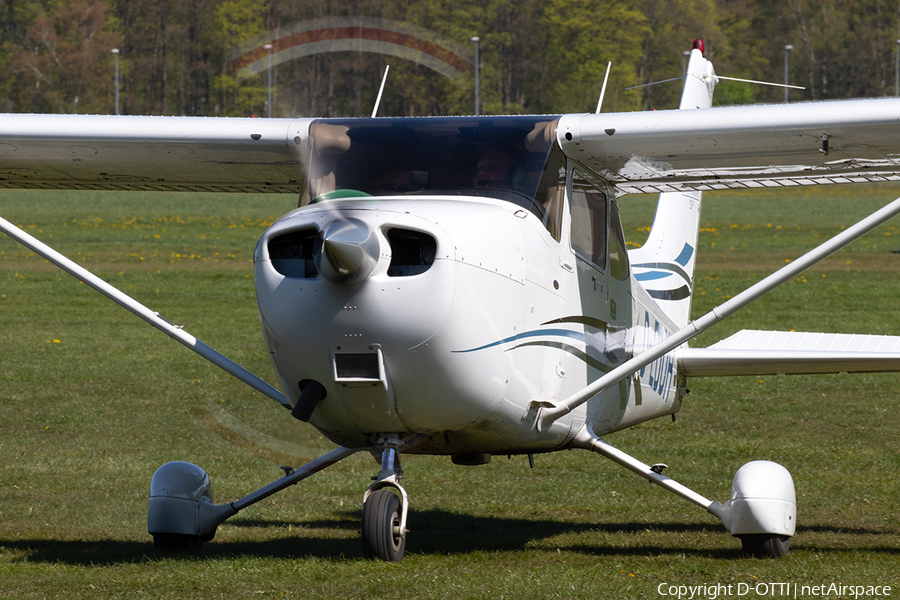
<point x="412" y="252"/>
<point x="356" y="366"/>
<point x="292" y="253"/>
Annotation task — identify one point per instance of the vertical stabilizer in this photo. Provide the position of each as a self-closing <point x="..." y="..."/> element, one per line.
<point x="700" y="80"/>
<point x="664" y="265"/>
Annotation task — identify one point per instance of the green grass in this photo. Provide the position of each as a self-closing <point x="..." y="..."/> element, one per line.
<point x="92" y="401"/>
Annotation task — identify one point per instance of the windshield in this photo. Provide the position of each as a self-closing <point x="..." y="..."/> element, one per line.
<point x="500" y="157"/>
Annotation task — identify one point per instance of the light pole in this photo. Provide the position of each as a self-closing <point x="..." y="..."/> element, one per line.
<point x="477" y="41"/>
<point x="268" y="48"/>
<point x="787" y="49"/>
<point x="897" y="70"/>
<point x="115" y="52"/>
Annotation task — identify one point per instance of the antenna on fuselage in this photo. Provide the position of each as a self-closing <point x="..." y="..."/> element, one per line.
<point x="381" y="90"/>
<point x="603" y="89"/>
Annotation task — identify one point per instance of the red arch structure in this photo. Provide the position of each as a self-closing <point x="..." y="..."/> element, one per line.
<point x="351" y="34"/>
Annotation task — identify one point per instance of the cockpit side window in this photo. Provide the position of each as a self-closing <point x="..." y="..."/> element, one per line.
<point x="589" y="223"/>
<point x="618" y="255"/>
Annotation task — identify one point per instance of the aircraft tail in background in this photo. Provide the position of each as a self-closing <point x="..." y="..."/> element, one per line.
<point x="664" y="265"/>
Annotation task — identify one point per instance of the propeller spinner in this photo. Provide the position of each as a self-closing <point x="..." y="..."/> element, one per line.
<point x="346" y="251"/>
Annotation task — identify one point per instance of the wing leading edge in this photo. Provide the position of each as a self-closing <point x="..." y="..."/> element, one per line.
<point x="734" y="147"/>
<point x="792" y="353"/>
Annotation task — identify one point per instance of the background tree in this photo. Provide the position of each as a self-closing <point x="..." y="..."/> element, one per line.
<point x="584" y="35"/>
<point x="63" y="55"/>
<point x="538" y="56"/>
<point x="236" y="22"/>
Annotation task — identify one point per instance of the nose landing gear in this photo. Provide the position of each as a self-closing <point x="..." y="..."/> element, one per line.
<point x="384" y="512"/>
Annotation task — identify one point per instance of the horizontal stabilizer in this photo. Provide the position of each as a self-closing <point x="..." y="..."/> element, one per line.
<point x="792" y="353"/>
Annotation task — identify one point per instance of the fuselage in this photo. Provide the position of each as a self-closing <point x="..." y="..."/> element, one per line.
<point x="474" y="309"/>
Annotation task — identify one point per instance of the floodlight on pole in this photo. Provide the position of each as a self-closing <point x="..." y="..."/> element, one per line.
<point x="268" y="48"/>
<point x="477" y="41"/>
<point x="115" y="52"/>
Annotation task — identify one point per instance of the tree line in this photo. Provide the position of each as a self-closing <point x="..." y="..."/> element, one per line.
<point x="537" y="56"/>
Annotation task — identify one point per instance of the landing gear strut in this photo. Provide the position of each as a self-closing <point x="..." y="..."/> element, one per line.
<point x="181" y="514"/>
<point x="762" y="511"/>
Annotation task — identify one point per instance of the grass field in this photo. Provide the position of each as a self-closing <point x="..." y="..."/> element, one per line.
<point x="92" y="401"/>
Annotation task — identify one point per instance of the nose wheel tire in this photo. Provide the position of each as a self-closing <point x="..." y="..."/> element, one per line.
<point x="763" y="545"/>
<point x="382" y="537"/>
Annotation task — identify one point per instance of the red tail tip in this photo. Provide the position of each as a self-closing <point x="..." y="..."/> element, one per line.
<point x="698" y="45"/>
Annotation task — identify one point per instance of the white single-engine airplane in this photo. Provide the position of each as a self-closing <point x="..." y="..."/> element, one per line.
<point x="460" y="286"/>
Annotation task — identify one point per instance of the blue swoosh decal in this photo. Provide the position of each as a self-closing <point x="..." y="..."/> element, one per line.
<point x="665" y="267"/>
<point x="651" y="275"/>
<point x="529" y="334"/>
<point x="579" y="354"/>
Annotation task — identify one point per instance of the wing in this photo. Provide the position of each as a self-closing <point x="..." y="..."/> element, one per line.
<point x="152" y="153"/>
<point x="792" y="353"/>
<point x="740" y="146"/>
<point x="716" y="148"/>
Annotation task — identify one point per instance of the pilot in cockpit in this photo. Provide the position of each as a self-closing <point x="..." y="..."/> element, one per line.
<point x="500" y="169"/>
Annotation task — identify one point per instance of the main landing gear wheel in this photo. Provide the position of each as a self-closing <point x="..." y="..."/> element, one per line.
<point x="381" y="533"/>
<point x="765" y="545"/>
<point x="176" y="542"/>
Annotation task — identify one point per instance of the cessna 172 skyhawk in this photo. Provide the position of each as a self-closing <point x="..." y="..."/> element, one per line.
<point x="487" y="253"/>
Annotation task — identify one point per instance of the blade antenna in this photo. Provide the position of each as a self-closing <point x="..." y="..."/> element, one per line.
<point x="381" y="90"/>
<point x="603" y="89"/>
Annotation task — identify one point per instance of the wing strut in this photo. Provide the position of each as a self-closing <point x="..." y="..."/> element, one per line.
<point x="549" y="414"/>
<point x="125" y="301"/>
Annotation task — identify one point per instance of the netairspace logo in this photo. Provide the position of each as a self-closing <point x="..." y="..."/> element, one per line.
<point x="772" y="590"/>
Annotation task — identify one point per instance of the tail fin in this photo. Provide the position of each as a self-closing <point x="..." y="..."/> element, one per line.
<point x="664" y="265"/>
<point x="700" y="80"/>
